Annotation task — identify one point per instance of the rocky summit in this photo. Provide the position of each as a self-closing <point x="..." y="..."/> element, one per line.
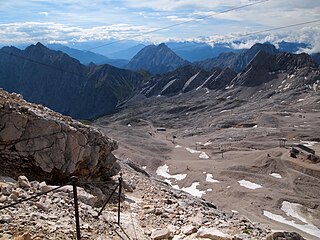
<point x="42" y="144"/>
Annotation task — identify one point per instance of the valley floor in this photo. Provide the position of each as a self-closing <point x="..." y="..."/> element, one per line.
<point x="230" y="157"/>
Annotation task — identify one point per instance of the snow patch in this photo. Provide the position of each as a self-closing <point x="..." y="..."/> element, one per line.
<point x="291" y="76"/>
<point x="229" y="87"/>
<point x="192" y="150"/>
<point x="293" y="210"/>
<point x="300" y="100"/>
<point x="209" y="178"/>
<point x="308" y="143"/>
<point x="193" y="190"/>
<point x="203" y="155"/>
<point x="177" y="146"/>
<point x="224" y="111"/>
<point x="207" y="143"/>
<point x="276" y="175"/>
<point x="164" y="172"/>
<point x="287" y="86"/>
<point x="248" y="184"/>
<point x="255" y="126"/>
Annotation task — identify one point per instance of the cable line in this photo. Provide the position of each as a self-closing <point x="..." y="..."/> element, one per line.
<point x="258" y="32"/>
<point x="242" y="35"/>
<point x="41" y="63"/>
<point x="176" y="24"/>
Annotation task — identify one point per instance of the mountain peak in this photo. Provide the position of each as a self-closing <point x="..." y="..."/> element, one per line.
<point x="156" y="59"/>
<point x="39" y="44"/>
<point x="39" y="47"/>
<point x="162" y="45"/>
<point x="266" y="47"/>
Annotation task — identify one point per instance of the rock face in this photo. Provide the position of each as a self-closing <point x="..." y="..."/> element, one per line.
<point x="42" y="144"/>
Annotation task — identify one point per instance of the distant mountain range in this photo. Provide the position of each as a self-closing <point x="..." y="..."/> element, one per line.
<point x="127" y="53"/>
<point x="194" y="51"/>
<point x="62" y="83"/>
<point x="236" y="61"/>
<point x="87" y="57"/>
<point x="189" y="51"/>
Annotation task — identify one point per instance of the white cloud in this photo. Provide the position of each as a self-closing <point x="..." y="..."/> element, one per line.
<point x="181" y="19"/>
<point x="171" y="5"/>
<point x="240" y="40"/>
<point x="80" y="20"/>
<point x="49" y="32"/>
<point x="44" y="13"/>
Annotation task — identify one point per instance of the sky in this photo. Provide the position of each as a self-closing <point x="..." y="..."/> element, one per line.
<point x="66" y="21"/>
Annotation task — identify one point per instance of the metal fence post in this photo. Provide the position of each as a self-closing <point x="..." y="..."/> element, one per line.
<point x="119" y="198"/>
<point x="74" y="181"/>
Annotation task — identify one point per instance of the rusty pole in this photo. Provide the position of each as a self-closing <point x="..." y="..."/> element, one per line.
<point x="119" y="198"/>
<point x="76" y="207"/>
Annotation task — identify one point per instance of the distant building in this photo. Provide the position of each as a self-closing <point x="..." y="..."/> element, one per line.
<point x="304" y="152"/>
<point x="161" y="129"/>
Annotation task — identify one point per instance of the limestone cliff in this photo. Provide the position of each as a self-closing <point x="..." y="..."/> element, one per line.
<point x="42" y="144"/>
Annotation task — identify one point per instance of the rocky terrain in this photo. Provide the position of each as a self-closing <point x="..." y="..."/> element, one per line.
<point x="151" y="211"/>
<point x="150" y="208"/>
<point x="42" y="144"/>
<point x="222" y="144"/>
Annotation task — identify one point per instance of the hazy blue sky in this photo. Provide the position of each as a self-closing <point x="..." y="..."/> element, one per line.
<point x="84" y="20"/>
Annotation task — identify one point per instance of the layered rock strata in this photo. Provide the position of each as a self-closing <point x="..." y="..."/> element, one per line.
<point x="42" y="144"/>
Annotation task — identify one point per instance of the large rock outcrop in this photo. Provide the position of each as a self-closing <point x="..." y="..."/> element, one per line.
<point x="45" y="145"/>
